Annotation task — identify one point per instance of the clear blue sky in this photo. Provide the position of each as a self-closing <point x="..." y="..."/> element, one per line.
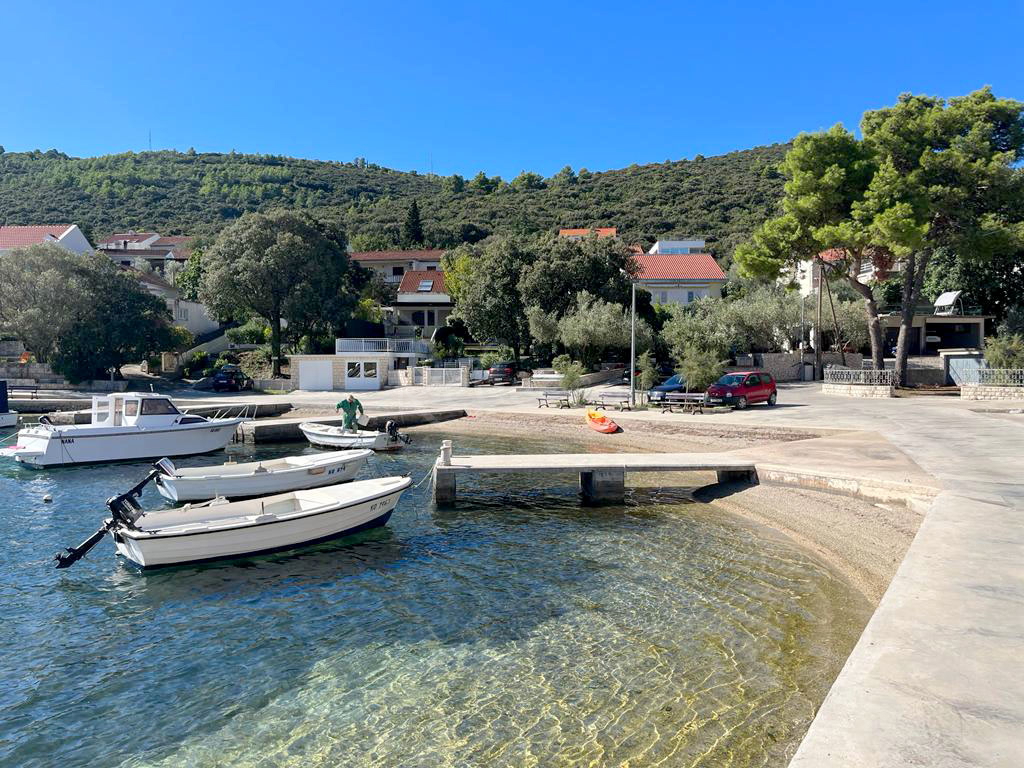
<point x="480" y="85"/>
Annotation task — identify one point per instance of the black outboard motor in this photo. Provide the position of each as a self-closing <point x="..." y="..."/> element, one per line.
<point x="393" y="434"/>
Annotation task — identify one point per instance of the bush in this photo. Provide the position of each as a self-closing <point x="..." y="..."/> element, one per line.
<point x="700" y="368"/>
<point x="1005" y="351"/>
<point x="255" y="331"/>
<point x="487" y="359"/>
<point x="181" y="339"/>
<point x="572" y="376"/>
<point x="196" y="365"/>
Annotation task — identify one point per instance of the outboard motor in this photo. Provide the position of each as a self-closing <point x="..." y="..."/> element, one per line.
<point x="391" y="428"/>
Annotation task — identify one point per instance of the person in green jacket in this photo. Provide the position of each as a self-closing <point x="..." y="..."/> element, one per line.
<point x="350" y="406"/>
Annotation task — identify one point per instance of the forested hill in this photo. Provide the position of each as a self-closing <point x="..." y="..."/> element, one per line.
<point x="721" y="198"/>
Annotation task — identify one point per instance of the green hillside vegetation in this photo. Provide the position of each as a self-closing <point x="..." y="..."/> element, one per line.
<point x="722" y="198"/>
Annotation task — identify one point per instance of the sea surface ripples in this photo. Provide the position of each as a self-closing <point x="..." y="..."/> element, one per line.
<point x="518" y="628"/>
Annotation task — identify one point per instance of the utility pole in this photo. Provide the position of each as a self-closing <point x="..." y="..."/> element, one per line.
<point x="818" y="373"/>
<point x="632" y="347"/>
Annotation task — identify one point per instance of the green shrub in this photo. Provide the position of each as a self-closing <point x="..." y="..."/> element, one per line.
<point x="255" y="331"/>
<point x="1005" y="351"/>
<point x="572" y="376"/>
<point x="700" y="368"/>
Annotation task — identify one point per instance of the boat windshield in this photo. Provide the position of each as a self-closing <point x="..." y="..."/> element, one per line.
<point x="158" y="406"/>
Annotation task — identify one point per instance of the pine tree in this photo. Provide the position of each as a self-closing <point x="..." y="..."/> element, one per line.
<point x="412" y="228"/>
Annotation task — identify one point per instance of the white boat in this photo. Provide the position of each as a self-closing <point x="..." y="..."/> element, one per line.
<point x="331" y="436"/>
<point x="258" y="478"/>
<point x="221" y="529"/>
<point x="124" y="426"/>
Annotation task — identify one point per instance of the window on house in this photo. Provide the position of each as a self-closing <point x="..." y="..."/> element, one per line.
<point x="431" y="269"/>
<point x="398" y="271"/>
<point x="369" y="370"/>
<point x="690" y="296"/>
<point x="663" y="297"/>
<point x="182" y="314"/>
<point x="354" y="370"/>
<point x="426" y="285"/>
<point x="417" y="317"/>
<point x="431" y="317"/>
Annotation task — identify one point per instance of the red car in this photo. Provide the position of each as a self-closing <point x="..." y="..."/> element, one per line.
<point x="742" y="388"/>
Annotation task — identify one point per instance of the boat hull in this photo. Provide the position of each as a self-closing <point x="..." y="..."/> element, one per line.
<point x="8" y="419"/>
<point x="333" y="437"/>
<point x="41" y="447"/>
<point x="600" y="423"/>
<point x="256" y="484"/>
<point x="157" y="550"/>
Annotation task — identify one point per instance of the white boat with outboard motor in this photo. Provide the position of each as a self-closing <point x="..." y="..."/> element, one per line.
<point x="258" y="478"/>
<point x="221" y="529"/>
<point x="331" y="436"/>
<point x="123" y="426"/>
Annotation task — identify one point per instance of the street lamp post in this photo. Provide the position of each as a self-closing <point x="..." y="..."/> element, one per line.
<point x="632" y="346"/>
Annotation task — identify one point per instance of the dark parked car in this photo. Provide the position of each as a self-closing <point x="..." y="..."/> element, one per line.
<point x="230" y="378"/>
<point x="742" y="388"/>
<point x="675" y="383"/>
<point x="502" y="373"/>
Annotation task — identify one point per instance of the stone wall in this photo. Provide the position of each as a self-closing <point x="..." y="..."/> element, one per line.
<point x="286" y="385"/>
<point x="990" y="392"/>
<point x="548" y="379"/>
<point x="857" y="390"/>
<point x="787" y="366"/>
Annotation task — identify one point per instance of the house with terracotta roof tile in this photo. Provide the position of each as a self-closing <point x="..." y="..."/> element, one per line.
<point x="579" y="234"/>
<point x="67" y="236"/>
<point x="392" y="265"/>
<point x="679" y="278"/>
<point x="422" y="304"/>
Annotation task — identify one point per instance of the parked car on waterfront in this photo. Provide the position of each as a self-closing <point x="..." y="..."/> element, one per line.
<point x="675" y="383"/>
<point x="741" y="388"/>
<point x="231" y="378"/>
<point x="502" y="373"/>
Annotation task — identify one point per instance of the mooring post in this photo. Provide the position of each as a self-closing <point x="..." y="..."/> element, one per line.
<point x="444" y="475"/>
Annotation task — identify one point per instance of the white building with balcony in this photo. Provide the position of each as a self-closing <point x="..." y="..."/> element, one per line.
<point x="392" y="265"/>
<point x="677" y="247"/>
<point x="422" y="304"/>
<point x="357" y="365"/>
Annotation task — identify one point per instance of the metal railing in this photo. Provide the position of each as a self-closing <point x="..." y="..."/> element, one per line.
<point x="406" y="346"/>
<point x="837" y="375"/>
<point x="997" y="377"/>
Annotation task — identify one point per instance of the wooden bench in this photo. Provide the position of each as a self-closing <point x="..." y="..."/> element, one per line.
<point x="559" y="396"/>
<point x="619" y="399"/>
<point x="687" y="402"/>
<point x="32" y="389"/>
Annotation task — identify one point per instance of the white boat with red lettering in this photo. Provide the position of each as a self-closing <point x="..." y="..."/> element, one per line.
<point x="222" y="529"/>
<point x="258" y="478"/>
<point x="123" y="426"/>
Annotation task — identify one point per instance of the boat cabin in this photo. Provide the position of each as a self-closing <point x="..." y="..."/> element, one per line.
<point x="137" y="409"/>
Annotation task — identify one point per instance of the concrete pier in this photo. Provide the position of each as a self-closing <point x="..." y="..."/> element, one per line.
<point x="287" y="429"/>
<point x="602" y="475"/>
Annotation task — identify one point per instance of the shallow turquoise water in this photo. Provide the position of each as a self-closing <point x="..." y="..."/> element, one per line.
<point x="517" y="628"/>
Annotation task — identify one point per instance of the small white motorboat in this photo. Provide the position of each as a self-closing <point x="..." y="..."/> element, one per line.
<point x="330" y="436"/>
<point x="258" y="478"/>
<point x="123" y="426"/>
<point x="222" y="529"/>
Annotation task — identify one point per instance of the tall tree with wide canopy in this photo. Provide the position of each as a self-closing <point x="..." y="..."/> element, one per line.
<point x="926" y="175"/>
<point x="279" y="265"/>
<point x="488" y="301"/>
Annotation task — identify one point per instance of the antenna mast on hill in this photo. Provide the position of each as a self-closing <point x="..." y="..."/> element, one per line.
<point x="150" y="139"/>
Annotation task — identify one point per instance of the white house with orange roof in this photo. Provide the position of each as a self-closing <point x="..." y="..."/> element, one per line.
<point x="422" y="304"/>
<point x="679" y="278"/>
<point x="392" y="265"/>
<point x="67" y="236"/>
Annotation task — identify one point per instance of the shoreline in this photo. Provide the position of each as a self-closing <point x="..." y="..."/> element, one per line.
<point x="861" y="541"/>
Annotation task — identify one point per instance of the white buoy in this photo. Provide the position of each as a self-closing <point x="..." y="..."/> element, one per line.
<point x="47" y="498"/>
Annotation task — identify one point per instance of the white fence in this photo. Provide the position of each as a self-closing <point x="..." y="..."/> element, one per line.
<point x="440" y="377"/>
<point x="998" y="377"/>
<point x="836" y="375"/>
<point x="402" y="346"/>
